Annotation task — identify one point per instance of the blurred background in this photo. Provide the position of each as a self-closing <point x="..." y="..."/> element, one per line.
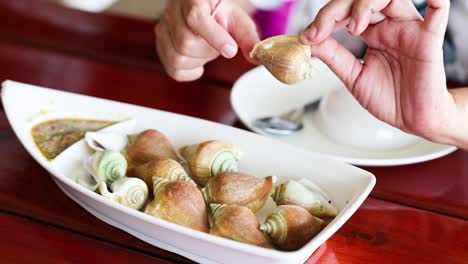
<point x="145" y="9"/>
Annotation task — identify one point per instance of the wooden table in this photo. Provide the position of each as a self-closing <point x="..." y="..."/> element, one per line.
<point x="416" y="213"/>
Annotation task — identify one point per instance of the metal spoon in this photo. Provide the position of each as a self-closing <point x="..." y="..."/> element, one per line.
<point x="288" y="122"/>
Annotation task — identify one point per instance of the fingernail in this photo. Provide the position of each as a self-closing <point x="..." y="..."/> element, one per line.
<point x="352" y="25"/>
<point x="229" y="50"/>
<point x="312" y="32"/>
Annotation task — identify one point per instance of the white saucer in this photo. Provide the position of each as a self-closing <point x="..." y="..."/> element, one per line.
<point x="257" y="94"/>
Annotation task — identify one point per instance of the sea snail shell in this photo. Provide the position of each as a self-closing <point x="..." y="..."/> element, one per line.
<point x="295" y="193"/>
<point x="290" y="227"/>
<point x="131" y="192"/>
<point x="146" y="146"/>
<point x="237" y="223"/>
<point x="164" y="168"/>
<point x="209" y="158"/>
<point x="285" y="57"/>
<point x="179" y="202"/>
<point x="106" y="165"/>
<point x="233" y="188"/>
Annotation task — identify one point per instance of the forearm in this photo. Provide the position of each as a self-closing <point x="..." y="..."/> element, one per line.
<point x="460" y="132"/>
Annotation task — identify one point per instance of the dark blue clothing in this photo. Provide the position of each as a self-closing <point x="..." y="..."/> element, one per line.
<point x="449" y="46"/>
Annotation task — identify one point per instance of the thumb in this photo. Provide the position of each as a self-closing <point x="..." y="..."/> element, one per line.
<point x="340" y="60"/>
<point x="437" y="16"/>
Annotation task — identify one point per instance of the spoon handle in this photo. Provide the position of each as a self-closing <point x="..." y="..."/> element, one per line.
<point x="296" y="114"/>
<point x="313" y="105"/>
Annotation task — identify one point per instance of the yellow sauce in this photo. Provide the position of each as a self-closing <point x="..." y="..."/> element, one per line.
<point x="54" y="136"/>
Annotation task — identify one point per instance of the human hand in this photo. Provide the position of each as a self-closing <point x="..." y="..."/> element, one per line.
<point x="187" y="36"/>
<point x="402" y="80"/>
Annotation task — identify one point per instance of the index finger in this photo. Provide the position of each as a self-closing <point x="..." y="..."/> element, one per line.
<point x="437" y="14"/>
<point x="327" y="20"/>
<point x="198" y="18"/>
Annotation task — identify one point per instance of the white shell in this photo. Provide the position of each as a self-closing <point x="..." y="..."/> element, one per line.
<point x="314" y="187"/>
<point x="89" y="165"/>
<point x="274" y="179"/>
<point x="100" y="141"/>
<point x="267" y="209"/>
<point x="131" y="192"/>
<point x="309" y="196"/>
<point x="86" y="180"/>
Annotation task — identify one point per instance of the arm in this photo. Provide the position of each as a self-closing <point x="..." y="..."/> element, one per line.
<point x="459" y="135"/>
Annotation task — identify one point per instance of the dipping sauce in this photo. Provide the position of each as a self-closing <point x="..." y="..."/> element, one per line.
<point x="54" y="136"/>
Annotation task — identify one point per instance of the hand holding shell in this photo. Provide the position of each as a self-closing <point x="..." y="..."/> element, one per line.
<point x="179" y="202"/>
<point x="290" y="227"/>
<point x="233" y="188"/>
<point x="209" y="158"/>
<point x="237" y="223"/>
<point x="285" y="57"/>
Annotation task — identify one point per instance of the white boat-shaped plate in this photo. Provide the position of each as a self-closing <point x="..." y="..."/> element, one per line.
<point x="348" y="186"/>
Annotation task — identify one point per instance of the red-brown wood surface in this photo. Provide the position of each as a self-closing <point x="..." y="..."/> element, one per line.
<point x="112" y="57"/>
<point x="116" y="82"/>
<point x="439" y="185"/>
<point x="379" y="232"/>
<point x="26" y="241"/>
<point x="109" y="38"/>
<point x="382" y="232"/>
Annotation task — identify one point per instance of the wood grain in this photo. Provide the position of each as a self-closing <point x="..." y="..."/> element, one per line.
<point x="26" y="241"/>
<point x="379" y="231"/>
<point x="383" y="232"/>
<point x="113" y="57"/>
<point x="115" y="82"/>
<point x="438" y="185"/>
<point x="107" y="38"/>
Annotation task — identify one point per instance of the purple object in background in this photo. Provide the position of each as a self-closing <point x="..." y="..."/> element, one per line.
<point x="273" y="22"/>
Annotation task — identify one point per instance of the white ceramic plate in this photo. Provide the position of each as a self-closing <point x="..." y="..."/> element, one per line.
<point x="257" y="94"/>
<point x="348" y="186"/>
